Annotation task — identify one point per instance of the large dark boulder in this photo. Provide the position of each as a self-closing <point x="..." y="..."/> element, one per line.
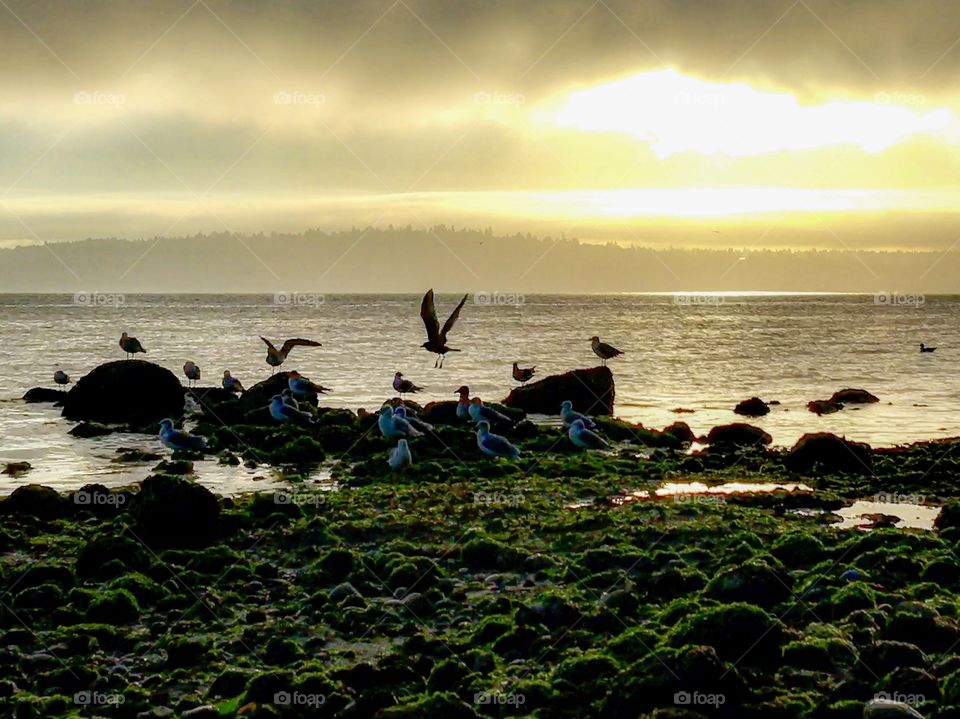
<point x="738" y="434"/>
<point x="174" y="512"/>
<point x="827" y="452"/>
<point x="126" y="391"/>
<point x="591" y="390"/>
<point x="35" y="500"/>
<point x="258" y="396"/>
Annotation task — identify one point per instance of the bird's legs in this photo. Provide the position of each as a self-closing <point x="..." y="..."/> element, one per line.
<point x="436" y="361"/>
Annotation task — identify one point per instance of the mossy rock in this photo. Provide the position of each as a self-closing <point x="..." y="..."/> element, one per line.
<point x="35" y="500"/>
<point x="127" y="391"/>
<point x="739" y="435"/>
<point x="826" y="452"/>
<point x="739" y="632"/>
<point x="114" y="606"/>
<point x="95" y="556"/>
<point x="174" y="512"/>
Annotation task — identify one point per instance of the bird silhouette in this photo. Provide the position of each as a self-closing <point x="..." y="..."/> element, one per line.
<point x="523" y="374"/>
<point x="276" y="357"/>
<point x="436" y="335"/>
<point x="130" y="345"/>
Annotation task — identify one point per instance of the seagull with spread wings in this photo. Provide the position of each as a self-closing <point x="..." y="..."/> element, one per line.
<point x="275" y="357"/>
<point x="436" y="335"/>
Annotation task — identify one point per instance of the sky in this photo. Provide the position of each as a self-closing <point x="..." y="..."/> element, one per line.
<point x="743" y="123"/>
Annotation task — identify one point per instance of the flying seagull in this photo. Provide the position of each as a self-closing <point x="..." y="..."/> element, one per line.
<point x="437" y="336"/>
<point x="61" y="377"/>
<point x="583" y="437"/>
<point x="275" y="357"/>
<point x="523" y="374"/>
<point x="192" y="371"/>
<point x="924" y="348"/>
<point x="178" y="439"/>
<point x="570" y="416"/>
<point x="493" y="444"/>
<point x="404" y="386"/>
<point x="400" y="456"/>
<point x="130" y="345"/>
<point x="231" y="383"/>
<point x="603" y="350"/>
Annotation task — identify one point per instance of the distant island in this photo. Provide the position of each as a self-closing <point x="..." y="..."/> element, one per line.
<point x="405" y="259"/>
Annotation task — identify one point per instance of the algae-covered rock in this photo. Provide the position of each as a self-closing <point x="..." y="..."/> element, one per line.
<point x="43" y="394"/>
<point x="739" y="632"/>
<point x="35" y="500"/>
<point x="829" y="453"/>
<point x="853" y="396"/>
<point x="591" y="391"/>
<point x="752" y="407"/>
<point x="126" y="391"/>
<point x="89" y="430"/>
<point x="174" y="512"/>
<point x="823" y="406"/>
<point x="738" y="434"/>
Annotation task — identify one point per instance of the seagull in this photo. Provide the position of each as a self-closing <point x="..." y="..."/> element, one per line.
<point x="463" y="406"/>
<point x="192" y="371"/>
<point x="603" y="350"/>
<point x="411" y="417"/>
<point x="130" y="345"/>
<point x="61" y="377"/>
<point x="479" y="413"/>
<point x="285" y="413"/>
<point x="300" y="386"/>
<point x="437" y="336"/>
<point x="178" y="439"/>
<point x="924" y="348"/>
<point x="583" y="437"/>
<point x="523" y="375"/>
<point x="393" y="427"/>
<point x="570" y="416"/>
<point x="404" y="386"/>
<point x="231" y="383"/>
<point x="400" y="456"/>
<point x="493" y="444"/>
<point x="275" y="357"/>
<point x="287" y="397"/>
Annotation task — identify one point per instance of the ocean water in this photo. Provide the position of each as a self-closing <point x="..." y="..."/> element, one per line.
<point x="699" y="352"/>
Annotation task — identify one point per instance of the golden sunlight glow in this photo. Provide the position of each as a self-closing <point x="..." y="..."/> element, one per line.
<point x="676" y="113"/>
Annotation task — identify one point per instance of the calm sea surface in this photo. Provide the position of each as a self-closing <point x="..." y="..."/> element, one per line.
<point x="700" y="352"/>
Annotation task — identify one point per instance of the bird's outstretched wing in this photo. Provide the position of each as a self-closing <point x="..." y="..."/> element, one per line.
<point x="297" y="342"/>
<point x="428" y="313"/>
<point x="269" y="343"/>
<point x="451" y="320"/>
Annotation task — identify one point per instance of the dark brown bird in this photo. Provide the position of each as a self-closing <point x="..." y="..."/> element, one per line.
<point x="275" y="357"/>
<point x="522" y="375"/>
<point x="603" y="350"/>
<point x="437" y="336"/>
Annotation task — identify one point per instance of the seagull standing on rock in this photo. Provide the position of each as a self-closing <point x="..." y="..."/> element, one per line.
<point x="603" y="350"/>
<point x="61" y="378"/>
<point x="400" y="456"/>
<point x="130" y="345"/>
<point x="192" y="371"/>
<point x="231" y="383"/>
<point x="276" y="357"/>
<point x="393" y="427"/>
<point x="480" y="413"/>
<point x="302" y="387"/>
<point x="411" y="417"/>
<point x="583" y="437"/>
<point x="404" y="386"/>
<point x="285" y="413"/>
<point x="287" y="397"/>
<point x="523" y="374"/>
<point x="570" y="416"/>
<point x="437" y="336"/>
<point x="178" y="439"/>
<point x="463" y="406"/>
<point x="493" y="444"/>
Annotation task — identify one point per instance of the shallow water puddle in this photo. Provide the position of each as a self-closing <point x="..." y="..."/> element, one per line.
<point x="862" y="515"/>
<point x="692" y="489"/>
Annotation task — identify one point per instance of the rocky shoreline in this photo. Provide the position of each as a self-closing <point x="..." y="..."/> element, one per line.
<point x="560" y="584"/>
